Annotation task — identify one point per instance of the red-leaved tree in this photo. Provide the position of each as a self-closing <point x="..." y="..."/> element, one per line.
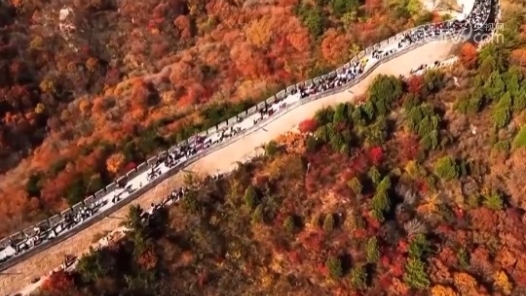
<point x="130" y="166"/>
<point x="308" y="126"/>
<point x="415" y="84"/>
<point x="375" y="155"/>
<point x="409" y="147"/>
<point x="58" y="283"/>
<point x="468" y="55"/>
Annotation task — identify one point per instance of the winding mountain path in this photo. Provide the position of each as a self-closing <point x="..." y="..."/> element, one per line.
<point x="20" y="275"/>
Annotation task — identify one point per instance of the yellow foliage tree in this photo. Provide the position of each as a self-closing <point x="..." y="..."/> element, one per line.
<point x="412" y="169"/>
<point x="430" y="205"/>
<point x="293" y="142"/>
<point x="414" y="7"/>
<point x="36" y="43"/>
<point x="47" y="86"/>
<point x="465" y="283"/>
<point x="502" y="282"/>
<point x="115" y="162"/>
<point x="258" y="32"/>
<point x="440" y="290"/>
<point x="40" y="108"/>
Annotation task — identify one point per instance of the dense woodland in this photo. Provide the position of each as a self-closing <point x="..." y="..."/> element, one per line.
<point x="418" y="190"/>
<point x="81" y="106"/>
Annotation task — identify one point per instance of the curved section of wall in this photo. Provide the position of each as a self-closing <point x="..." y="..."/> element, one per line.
<point x="99" y="204"/>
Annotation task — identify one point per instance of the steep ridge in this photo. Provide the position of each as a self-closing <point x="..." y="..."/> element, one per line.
<point x="291" y="102"/>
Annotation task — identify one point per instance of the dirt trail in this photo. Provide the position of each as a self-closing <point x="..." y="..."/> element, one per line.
<point x="220" y="160"/>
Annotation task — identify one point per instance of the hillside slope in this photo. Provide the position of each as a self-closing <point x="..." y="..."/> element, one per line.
<point x="93" y="87"/>
<point x="221" y="160"/>
<point x="418" y="191"/>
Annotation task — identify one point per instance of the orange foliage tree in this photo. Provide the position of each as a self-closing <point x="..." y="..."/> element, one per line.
<point x="518" y="56"/>
<point x="115" y="162"/>
<point x="440" y="290"/>
<point x="182" y="22"/>
<point x="465" y="283"/>
<point x="468" y="55"/>
<point x="190" y="58"/>
<point x="84" y="106"/>
<point x="397" y="287"/>
<point x="437" y="18"/>
<point x="299" y="40"/>
<point x="148" y="259"/>
<point x="371" y="6"/>
<point x="334" y="46"/>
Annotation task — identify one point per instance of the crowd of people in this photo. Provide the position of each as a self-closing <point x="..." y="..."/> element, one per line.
<point x="334" y="80"/>
<point x="43" y="232"/>
<point x="263" y="113"/>
<point x="476" y="19"/>
<point x="224" y="134"/>
<point x="153" y="173"/>
<point x="181" y="153"/>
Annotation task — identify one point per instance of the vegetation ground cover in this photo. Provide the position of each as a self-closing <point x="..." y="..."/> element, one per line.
<point x="417" y="191"/>
<point x="79" y="108"/>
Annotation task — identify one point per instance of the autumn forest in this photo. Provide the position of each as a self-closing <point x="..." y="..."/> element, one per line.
<point x="417" y="190"/>
<point x="80" y="106"/>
